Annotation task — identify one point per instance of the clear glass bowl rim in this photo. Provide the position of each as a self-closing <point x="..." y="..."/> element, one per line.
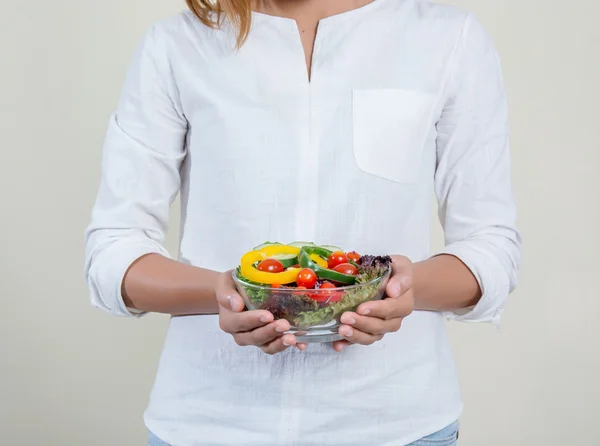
<point x="341" y="288"/>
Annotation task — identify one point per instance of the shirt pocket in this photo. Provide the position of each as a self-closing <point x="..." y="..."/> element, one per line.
<point x="390" y="128"/>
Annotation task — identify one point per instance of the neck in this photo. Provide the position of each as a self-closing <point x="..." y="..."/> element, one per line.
<point x="307" y="8"/>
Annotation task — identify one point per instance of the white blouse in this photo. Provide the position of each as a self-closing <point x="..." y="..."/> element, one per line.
<point x="406" y="100"/>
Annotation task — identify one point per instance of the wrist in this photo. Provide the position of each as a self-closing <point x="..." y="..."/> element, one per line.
<point x="444" y="283"/>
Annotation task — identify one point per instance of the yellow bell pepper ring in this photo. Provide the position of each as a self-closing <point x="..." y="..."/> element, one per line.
<point x="319" y="260"/>
<point x="251" y="273"/>
<point x="273" y="250"/>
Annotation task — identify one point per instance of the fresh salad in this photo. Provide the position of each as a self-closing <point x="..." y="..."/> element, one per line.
<point x="309" y="284"/>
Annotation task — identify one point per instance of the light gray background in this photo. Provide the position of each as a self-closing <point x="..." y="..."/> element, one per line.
<point x="71" y="375"/>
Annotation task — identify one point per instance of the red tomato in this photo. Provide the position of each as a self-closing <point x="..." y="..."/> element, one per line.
<point x="327" y="285"/>
<point x="354" y="256"/>
<point x="336" y="258"/>
<point x="276" y="285"/>
<point x="271" y="266"/>
<point x="346" y="268"/>
<point x="306" y="278"/>
<point x="301" y="292"/>
<point x="328" y="295"/>
<point x="335" y="297"/>
<point x="319" y="297"/>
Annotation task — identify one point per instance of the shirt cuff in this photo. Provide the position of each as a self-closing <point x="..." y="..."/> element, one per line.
<point x="110" y="272"/>
<point x="490" y="276"/>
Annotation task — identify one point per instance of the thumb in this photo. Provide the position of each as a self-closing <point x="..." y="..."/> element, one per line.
<point x="400" y="281"/>
<point x="394" y="286"/>
<point x="227" y="295"/>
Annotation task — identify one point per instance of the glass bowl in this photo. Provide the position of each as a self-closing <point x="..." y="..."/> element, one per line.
<point x="313" y="314"/>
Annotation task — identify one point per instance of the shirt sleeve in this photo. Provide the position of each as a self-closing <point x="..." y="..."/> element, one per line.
<point x="472" y="180"/>
<point x="141" y="159"/>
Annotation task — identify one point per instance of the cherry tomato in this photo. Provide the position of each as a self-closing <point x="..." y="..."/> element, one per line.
<point x="346" y="268"/>
<point x="320" y="297"/>
<point x="336" y="258"/>
<point x="327" y="285"/>
<point x="299" y="291"/>
<point x="276" y="285"/>
<point x="328" y="295"/>
<point x="334" y="297"/>
<point x="306" y="278"/>
<point x="271" y="266"/>
<point x="354" y="256"/>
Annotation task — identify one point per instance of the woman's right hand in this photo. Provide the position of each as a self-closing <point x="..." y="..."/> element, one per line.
<point x="251" y="327"/>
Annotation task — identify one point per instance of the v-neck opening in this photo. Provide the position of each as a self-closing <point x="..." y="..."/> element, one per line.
<point x="309" y="71"/>
<point x="339" y="16"/>
<point x="325" y="21"/>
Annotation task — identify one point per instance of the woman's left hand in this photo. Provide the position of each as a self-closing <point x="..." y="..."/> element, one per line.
<point x="372" y="320"/>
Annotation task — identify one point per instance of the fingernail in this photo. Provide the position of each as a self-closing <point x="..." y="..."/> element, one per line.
<point x="234" y="303"/>
<point x="364" y="311"/>
<point x="347" y="332"/>
<point x="265" y="318"/>
<point x="396" y="290"/>
<point x="286" y="343"/>
<point x="349" y="320"/>
<point x="280" y="329"/>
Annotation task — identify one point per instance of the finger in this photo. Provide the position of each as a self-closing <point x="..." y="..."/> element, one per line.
<point x="263" y="335"/>
<point x="401" y="280"/>
<point x="227" y="294"/>
<point x="371" y="325"/>
<point x="390" y="308"/>
<point x="301" y="347"/>
<point x="339" y="346"/>
<point x="279" y="345"/>
<point x="357" y="336"/>
<point x="243" y="322"/>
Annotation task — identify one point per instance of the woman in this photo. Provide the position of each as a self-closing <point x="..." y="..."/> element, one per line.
<point x="333" y="121"/>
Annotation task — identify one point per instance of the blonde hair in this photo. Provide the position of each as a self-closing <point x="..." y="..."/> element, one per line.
<point x="211" y="13"/>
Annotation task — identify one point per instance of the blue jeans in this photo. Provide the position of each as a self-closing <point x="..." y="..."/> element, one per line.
<point x="153" y="440"/>
<point x="446" y="437"/>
